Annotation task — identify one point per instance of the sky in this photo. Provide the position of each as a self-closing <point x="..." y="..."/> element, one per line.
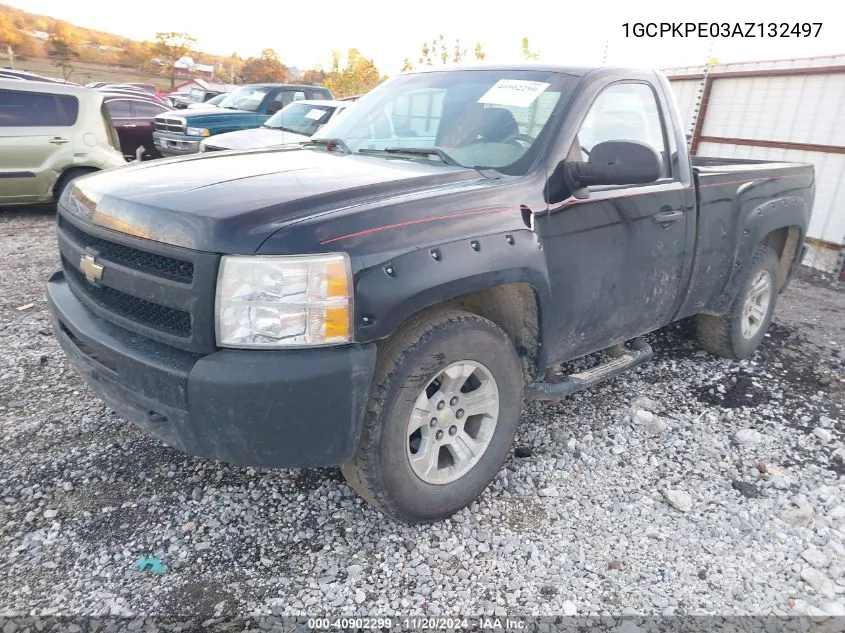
<point x="577" y="33"/>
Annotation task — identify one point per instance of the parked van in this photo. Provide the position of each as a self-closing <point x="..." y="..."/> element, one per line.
<point x="51" y="134"/>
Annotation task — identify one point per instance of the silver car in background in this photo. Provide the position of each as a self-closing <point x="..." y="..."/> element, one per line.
<point x="290" y="126"/>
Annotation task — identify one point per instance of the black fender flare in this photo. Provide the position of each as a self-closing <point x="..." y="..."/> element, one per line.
<point x="388" y="294"/>
<point x="755" y="224"/>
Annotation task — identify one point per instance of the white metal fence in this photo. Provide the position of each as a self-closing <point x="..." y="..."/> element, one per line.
<point x="791" y="110"/>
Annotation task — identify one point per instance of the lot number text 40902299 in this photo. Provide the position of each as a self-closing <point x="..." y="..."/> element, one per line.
<point x="722" y="29"/>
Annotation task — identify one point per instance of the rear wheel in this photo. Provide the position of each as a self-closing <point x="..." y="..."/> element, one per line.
<point x="738" y="333"/>
<point x="441" y="417"/>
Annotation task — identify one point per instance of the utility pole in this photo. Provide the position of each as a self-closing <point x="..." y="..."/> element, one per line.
<point x="703" y="91"/>
<point x="604" y="56"/>
<point x="11" y="56"/>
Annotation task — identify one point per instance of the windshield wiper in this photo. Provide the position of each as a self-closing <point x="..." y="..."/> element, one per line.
<point x="416" y="151"/>
<point x="328" y="143"/>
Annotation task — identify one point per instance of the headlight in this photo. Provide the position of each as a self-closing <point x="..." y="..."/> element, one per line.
<point x="197" y="131"/>
<point x="284" y="301"/>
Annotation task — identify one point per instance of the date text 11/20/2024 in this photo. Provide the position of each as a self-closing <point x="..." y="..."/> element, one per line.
<point x="418" y="623"/>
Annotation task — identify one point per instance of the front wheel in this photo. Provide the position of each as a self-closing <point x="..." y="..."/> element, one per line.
<point x="738" y="333"/>
<point x="440" y="419"/>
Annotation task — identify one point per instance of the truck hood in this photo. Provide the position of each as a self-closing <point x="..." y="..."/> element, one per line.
<point x="232" y="202"/>
<point x="255" y="138"/>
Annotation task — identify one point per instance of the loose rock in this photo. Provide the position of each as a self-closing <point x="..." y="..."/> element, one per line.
<point x="656" y="425"/>
<point x="746" y="489"/>
<point x="748" y="437"/>
<point x="643" y="417"/>
<point x="817" y="580"/>
<point x="678" y="499"/>
<point x="815" y="557"/>
<point x="823" y="434"/>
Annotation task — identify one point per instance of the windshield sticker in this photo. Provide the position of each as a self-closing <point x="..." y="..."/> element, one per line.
<point x="514" y="92"/>
<point x="315" y="114"/>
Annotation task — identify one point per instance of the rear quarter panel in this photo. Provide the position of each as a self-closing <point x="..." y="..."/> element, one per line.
<point x="738" y="205"/>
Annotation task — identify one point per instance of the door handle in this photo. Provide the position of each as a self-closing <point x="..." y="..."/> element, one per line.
<point x="668" y="215"/>
<point x="130" y="125"/>
<point x="58" y="140"/>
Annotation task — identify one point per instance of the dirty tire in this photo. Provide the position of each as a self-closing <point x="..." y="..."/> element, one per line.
<point x="66" y="178"/>
<point x="723" y="335"/>
<point x="381" y="471"/>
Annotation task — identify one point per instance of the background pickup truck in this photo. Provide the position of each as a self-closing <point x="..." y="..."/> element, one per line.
<point x="385" y="297"/>
<point x="248" y="107"/>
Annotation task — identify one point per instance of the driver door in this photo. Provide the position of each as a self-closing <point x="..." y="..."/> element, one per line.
<point x="617" y="257"/>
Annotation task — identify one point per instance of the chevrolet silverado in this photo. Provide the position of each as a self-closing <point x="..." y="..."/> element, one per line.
<point x="385" y="297"/>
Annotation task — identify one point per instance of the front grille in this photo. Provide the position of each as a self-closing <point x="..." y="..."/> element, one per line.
<point x="168" y="267"/>
<point x="170" y="125"/>
<point x="156" y="290"/>
<point x="159" y="317"/>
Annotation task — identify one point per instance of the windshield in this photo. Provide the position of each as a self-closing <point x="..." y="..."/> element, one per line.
<point x="476" y="118"/>
<point x="301" y="118"/>
<point x="246" y="98"/>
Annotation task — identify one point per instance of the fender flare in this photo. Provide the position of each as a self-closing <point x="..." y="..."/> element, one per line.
<point x="390" y="293"/>
<point x="754" y="225"/>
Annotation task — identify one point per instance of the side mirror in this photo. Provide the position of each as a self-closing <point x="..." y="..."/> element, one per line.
<point x="274" y="107"/>
<point x="616" y="163"/>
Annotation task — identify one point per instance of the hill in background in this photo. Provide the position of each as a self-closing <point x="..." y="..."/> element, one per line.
<point x="97" y="56"/>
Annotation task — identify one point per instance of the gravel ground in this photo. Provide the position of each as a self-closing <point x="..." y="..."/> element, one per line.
<point x="691" y="486"/>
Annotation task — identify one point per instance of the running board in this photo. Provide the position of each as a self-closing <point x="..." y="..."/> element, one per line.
<point x="624" y="358"/>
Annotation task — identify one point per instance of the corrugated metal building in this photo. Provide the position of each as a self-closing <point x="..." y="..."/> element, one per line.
<point x="793" y="110"/>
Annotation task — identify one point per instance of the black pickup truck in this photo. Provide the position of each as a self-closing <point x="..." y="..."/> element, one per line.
<point x="385" y="297"/>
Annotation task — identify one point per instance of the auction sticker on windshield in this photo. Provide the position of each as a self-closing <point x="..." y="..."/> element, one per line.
<point x="315" y="114"/>
<point x="514" y="92"/>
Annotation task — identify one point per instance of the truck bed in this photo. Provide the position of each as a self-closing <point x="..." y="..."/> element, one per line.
<point x="730" y="192"/>
<point x="712" y="164"/>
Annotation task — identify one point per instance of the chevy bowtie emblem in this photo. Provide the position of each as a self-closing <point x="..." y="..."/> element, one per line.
<point x="90" y="268"/>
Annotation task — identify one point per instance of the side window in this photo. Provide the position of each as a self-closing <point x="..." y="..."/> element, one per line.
<point x="35" y="109"/>
<point x="625" y="112"/>
<point x="119" y="108"/>
<point x="317" y="94"/>
<point x="146" y="110"/>
<point x="284" y="97"/>
<point x="69" y="108"/>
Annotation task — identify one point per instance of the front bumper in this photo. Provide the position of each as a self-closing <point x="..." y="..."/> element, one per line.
<point x="273" y="408"/>
<point x="173" y="144"/>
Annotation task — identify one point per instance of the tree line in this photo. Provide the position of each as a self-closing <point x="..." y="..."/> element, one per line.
<point x="66" y="44"/>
